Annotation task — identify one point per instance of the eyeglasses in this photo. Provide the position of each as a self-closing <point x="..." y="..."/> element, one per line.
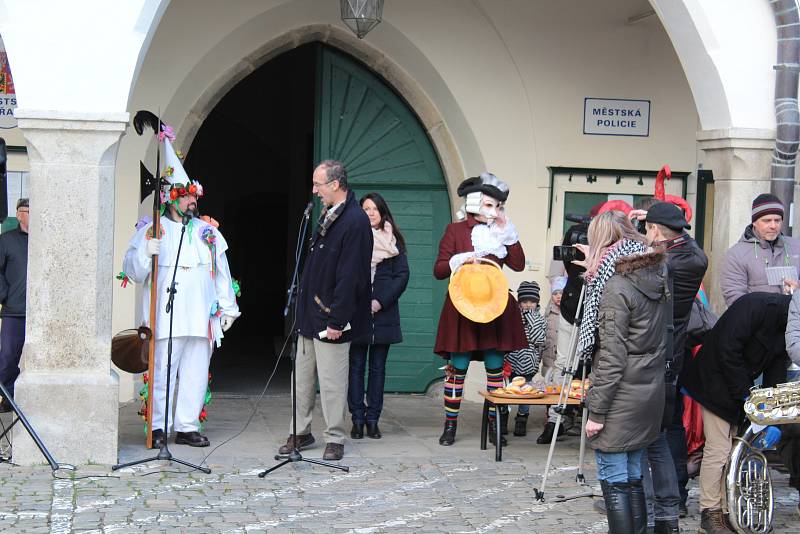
<point x="318" y="184"/>
<point x="20" y="210"/>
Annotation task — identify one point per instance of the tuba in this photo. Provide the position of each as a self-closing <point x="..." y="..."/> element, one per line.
<point x="750" y="499"/>
<point x="779" y="405"/>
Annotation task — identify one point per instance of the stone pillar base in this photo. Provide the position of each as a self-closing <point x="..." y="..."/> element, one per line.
<point x="75" y="414"/>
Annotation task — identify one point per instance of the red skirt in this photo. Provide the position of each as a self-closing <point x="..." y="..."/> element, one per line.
<point x="458" y="334"/>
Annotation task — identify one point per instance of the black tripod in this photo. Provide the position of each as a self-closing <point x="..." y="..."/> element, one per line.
<point x="291" y="303"/>
<point x="164" y="453"/>
<point x="31" y="432"/>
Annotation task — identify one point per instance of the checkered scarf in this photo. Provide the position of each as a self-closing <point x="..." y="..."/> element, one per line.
<point x="595" y="285"/>
<point x="327" y="217"/>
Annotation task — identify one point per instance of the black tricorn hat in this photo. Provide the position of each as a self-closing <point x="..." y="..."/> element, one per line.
<point x="486" y="183"/>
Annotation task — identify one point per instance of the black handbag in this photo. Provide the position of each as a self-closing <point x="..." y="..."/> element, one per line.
<point x="130" y="349"/>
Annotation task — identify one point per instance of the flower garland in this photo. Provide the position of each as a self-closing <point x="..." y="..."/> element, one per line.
<point x="143" y="395"/>
<point x="123" y="278"/>
<point x="209" y="237"/>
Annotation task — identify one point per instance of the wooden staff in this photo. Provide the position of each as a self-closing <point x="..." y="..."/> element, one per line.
<point x="141" y="119"/>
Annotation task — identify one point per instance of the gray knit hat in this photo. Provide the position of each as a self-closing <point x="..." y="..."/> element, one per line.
<point x="528" y="291"/>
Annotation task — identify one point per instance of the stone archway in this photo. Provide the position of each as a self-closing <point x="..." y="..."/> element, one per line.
<point x="416" y="98"/>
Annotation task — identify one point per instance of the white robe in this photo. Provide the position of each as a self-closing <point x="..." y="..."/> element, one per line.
<point x="198" y="292"/>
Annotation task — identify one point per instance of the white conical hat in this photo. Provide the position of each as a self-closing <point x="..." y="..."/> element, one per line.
<point x="178" y="174"/>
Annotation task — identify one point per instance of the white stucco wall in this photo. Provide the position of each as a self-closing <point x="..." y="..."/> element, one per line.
<point x="507" y="81"/>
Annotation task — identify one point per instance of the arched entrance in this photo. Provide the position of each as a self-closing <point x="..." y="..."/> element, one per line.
<point x="255" y="153"/>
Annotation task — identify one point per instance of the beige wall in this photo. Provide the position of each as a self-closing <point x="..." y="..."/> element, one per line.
<point x="507" y="85"/>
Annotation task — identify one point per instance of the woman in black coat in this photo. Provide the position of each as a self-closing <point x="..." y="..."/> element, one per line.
<point x="389" y="280"/>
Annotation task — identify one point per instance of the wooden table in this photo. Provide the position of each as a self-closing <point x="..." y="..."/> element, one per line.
<point x="489" y="400"/>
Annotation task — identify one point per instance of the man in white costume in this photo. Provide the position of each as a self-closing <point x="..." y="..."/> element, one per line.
<point x="204" y="306"/>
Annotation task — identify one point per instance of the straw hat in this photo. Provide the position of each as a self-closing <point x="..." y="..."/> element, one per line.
<point x="479" y="291"/>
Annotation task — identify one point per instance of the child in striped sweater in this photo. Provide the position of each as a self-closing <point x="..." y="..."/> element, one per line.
<point x="525" y="362"/>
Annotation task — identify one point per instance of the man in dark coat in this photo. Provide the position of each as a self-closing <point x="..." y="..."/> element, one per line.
<point x="686" y="264"/>
<point x="748" y="340"/>
<point x="13" y="280"/>
<point x="333" y="307"/>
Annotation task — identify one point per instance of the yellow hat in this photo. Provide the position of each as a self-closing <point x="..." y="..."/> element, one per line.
<point x="479" y="291"/>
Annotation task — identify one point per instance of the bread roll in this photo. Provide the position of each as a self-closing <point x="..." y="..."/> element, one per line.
<point x="518" y="381"/>
<point x="527" y="388"/>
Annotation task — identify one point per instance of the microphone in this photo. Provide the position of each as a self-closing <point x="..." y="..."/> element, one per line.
<point x="188" y="215"/>
<point x="309" y="207"/>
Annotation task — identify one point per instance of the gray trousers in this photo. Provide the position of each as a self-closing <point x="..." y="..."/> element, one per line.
<point x="330" y="362"/>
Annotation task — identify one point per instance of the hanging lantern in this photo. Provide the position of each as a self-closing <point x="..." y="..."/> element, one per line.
<point x="361" y="15"/>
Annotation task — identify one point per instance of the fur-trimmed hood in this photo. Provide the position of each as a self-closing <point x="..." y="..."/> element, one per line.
<point x="647" y="272"/>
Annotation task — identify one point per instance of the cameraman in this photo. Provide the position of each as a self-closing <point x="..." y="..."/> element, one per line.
<point x="575" y="234"/>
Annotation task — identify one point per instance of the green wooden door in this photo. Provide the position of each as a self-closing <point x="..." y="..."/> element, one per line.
<point x="364" y="124"/>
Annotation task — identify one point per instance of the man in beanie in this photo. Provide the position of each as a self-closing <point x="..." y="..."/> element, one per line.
<point x="525" y="362"/>
<point x="13" y="280"/>
<point x="762" y="246"/>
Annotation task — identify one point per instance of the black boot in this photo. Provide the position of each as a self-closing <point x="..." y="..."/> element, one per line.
<point x="521" y="424"/>
<point x="618" y="507"/>
<point x="448" y="437"/>
<point x="493" y="433"/>
<point x="638" y="507"/>
<point x="547" y="434"/>
<point x="667" y="527"/>
<point x="503" y="420"/>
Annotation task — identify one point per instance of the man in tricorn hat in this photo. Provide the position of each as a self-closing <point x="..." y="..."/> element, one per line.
<point x="204" y="306"/>
<point x="486" y="233"/>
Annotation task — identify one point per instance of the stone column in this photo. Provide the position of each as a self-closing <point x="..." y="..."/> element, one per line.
<point x="740" y="160"/>
<point x="67" y="388"/>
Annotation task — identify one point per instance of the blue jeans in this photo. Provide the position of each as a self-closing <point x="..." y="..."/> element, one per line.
<point x="371" y="412"/>
<point x="615" y="467"/>
<point x="12" y="338"/>
<point x="661" y="490"/>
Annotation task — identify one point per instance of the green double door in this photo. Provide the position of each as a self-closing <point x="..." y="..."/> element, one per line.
<point x="364" y="124"/>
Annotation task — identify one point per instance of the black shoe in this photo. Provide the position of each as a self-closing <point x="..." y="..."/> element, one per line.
<point x="448" y="437"/>
<point x="303" y="442"/>
<point x="521" y="424"/>
<point x="192" y="439"/>
<point x="547" y="434"/>
<point x="618" y="507"/>
<point x="5" y="406"/>
<point x="357" y="432"/>
<point x="667" y="527"/>
<point x="158" y="439"/>
<point x="503" y="420"/>
<point x="333" y="451"/>
<point x="493" y="433"/>
<point x="373" y="431"/>
<point x="638" y="507"/>
<point x="682" y="510"/>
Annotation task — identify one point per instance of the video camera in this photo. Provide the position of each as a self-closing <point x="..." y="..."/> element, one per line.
<point x="577" y="233"/>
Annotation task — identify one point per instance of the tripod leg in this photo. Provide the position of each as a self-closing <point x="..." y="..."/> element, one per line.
<point x="265" y="472"/>
<point x="326" y="464"/>
<point x="135" y="462"/>
<point x="205" y="470"/>
<point x="31" y="432"/>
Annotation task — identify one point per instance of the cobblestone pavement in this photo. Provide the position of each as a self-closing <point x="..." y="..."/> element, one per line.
<point x="404" y="482"/>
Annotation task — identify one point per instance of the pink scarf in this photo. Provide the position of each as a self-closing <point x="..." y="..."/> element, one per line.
<point x="384" y="245"/>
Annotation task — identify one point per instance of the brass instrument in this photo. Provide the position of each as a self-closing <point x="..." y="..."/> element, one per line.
<point x="750" y="499"/>
<point x="779" y="405"/>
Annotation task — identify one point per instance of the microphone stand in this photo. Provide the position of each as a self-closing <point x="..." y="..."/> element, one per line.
<point x="291" y="303"/>
<point x="164" y="452"/>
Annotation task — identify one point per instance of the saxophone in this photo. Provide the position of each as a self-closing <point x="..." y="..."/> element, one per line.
<point x="779" y="405"/>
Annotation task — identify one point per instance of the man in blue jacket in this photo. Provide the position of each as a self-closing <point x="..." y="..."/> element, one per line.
<point x="333" y="307"/>
<point x="13" y="280"/>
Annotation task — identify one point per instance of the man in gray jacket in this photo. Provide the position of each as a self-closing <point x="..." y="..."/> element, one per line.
<point x="761" y="247"/>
